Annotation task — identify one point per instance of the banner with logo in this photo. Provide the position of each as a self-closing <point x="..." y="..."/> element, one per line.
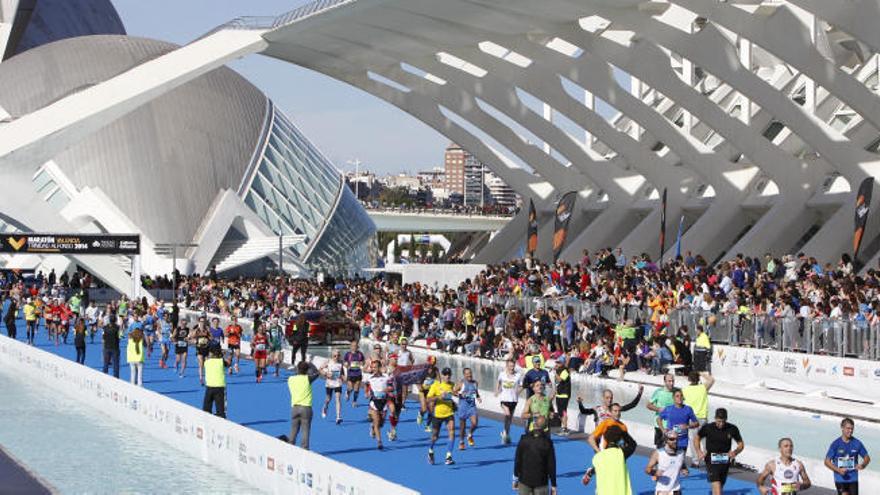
<point x="532" y="232"/>
<point x="564" y="210"/>
<point x="863" y="206"/>
<point x="20" y="243"/>
<point x="678" y="238"/>
<point x="662" y="225"/>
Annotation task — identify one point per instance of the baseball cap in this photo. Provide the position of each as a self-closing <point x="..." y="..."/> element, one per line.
<point x="536" y="359"/>
<point x="721" y="413"/>
<point x="446" y="371"/>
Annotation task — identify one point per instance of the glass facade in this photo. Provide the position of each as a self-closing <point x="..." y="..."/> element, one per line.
<point x="296" y="191"/>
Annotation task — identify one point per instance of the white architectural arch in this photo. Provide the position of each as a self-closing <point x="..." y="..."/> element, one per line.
<point x="759" y="118"/>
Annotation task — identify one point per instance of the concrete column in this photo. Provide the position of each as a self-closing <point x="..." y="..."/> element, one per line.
<point x="548" y="116"/>
<point x="745" y="58"/>
<point x="635" y="89"/>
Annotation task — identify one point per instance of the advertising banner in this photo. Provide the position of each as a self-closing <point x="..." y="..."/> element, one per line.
<point x="863" y="206"/>
<point x="532" y="232"/>
<point x="21" y="243"/>
<point x="564" y="210"/>
<point x="662" y="226"/>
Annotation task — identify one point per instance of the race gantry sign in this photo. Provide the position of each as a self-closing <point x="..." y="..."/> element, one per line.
<point x="18" y="243"/>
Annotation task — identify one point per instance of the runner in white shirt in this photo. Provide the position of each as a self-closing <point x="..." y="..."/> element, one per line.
<point x="508" y="387"/>
<point x="666" y="466"/>
<point x="787" y="474"/>
<point x="332" y="371"/>
<point x="404" y="355"/>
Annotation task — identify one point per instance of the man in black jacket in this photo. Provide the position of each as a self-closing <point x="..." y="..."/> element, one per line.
<point x="111" y="343"/>
<point x="535" y="463"/>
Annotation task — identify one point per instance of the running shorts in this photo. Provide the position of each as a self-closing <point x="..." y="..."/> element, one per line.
<point x="561" y="405"/>
<point x="466" y="410"/>
<point x="437" y="423"/>
<point x="234" y="346"/>
<point x="717" y="472"/>
<point x="378" y="404"/>
<point x="331" y="390"/>
<point x="181" y="349"/>
<point x="510" y="405"/>
<point x="852" y="488"/>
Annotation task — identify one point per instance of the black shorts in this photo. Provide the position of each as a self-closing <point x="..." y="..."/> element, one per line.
<point x="331" y="390"/>
<point x="717" y="472"/>
<point x="234" y="347"/>
<point x="378" y="404"/>
<point x="202" y="351"/>
<point x="437" y="423"/>
<point x="180" y="350"/>
<point x="355" y="378"/>
<point x="510" y="405"/>
<point x="561" y="405"/>
<point x="850" y="488"/>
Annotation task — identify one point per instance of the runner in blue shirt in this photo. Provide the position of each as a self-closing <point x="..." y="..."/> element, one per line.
<point x="678" y="417"/>
<point x="843" y="458"/>
<point x="216" y="330"/>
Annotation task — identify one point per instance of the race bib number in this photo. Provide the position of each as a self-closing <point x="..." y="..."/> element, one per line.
<point x="846" y="462"/>
<point x="181" y="343"/>
<point x="335" y="374"/>
<point x="507" y="385"/>
<point x="378" y="394"/>
<point x="719" y="458"/>
<point x="788" y="488"/>
<point x="355" y="365"/>
<point x="679" y="429"/>
<point x="446" y="396"/>
<point x="261" y="347"/>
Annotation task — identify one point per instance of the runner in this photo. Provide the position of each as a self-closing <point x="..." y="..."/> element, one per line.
<point x="276" y="339"/>
<point x="353" y="361"/>
<point x="719" y="436"/>
<point x="508" y="389"/>
<point x="537" y="405"/>
<point x="666" y="466"/>
<point x="603" y="410"/>
<point x="92" y="314"/>
<point x="202" y="338"/>
<point x="379" y="386"/>
<point x="216" y="330"/>
<point x="661" y="399"/>
<point x="431" y="376"/>
<point x="404" y="355"/>
<point x="679" y="418"/>
<point x="332" y="371"/>
<point x="260" y="351"/>
<point x="440" y="400"/>
<point x="31" y="318"/>
<point x="233" y="343"/>
<point x="562" y="380"/>
<point x="181" y="349"/>
<point x="163" y="334"/>
<point x="596" y="437"/>
<point x="149" y="325"/>
<point x="787" y="475"/>
<point x="468" y="392"/>
<point x="395" y="401"/>
<point x="843" y="458"/>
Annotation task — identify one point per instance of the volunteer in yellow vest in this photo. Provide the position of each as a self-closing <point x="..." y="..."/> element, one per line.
<point x="300" y="386"/>
<point x="609" y="467"/>
<point x="702" y="351"/>
<point x="696" y="395"/>
<point x="215" y="381"/>
<point x="31" y="316"/>
<point x="440" y="400"/>
<point x="135" y="354"/>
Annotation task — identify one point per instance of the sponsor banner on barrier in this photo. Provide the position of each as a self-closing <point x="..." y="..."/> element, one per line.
<point x="258" y="459"/>
<point x="856" y="377"/>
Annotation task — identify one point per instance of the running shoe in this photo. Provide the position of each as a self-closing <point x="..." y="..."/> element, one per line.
<point x="419" y="420"/>
<point x="379" y="446"/>
<point x="339" y="421"/>
<point x="449" y="460"/>
<point x="372" y="433"/>
<point x="259" y="378"/>
<point x="323" y="413"/>
<point x="431" y="457"/>
<point x="461" y="445"/>
<point x="354" y="404"/>
<point x="428" y="428"/>
<point x="471" y="440"/>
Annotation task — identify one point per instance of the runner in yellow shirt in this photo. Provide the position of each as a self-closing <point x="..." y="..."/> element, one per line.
<point x="440" y="400"/>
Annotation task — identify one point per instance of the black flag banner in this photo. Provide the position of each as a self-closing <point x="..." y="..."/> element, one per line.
<point x="863" y="205"/>
<point x="564" y="210"/>
<point x="532" y="233"/>
<point x="662" y="225"/>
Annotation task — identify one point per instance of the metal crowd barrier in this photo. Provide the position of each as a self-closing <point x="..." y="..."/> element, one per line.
<point x="837" y="337"/>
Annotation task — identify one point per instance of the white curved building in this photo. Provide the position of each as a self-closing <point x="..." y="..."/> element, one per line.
<point x="759" y="118"/>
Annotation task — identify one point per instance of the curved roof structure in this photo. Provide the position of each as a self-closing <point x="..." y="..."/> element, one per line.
<point x="162" y="164"/>
<point x="758" y="118"/>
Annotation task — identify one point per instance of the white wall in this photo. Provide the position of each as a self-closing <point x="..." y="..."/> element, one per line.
<point x="256" y="458"/>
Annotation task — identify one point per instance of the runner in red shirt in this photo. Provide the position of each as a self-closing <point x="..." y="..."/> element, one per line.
<point x="260" y="351"/>
<point x="233" y="342"/>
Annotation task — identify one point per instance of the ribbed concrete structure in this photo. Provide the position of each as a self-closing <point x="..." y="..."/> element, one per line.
<point x="760" y="118"/>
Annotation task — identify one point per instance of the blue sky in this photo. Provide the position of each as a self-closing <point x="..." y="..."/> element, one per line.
<point x="344" y="122"/>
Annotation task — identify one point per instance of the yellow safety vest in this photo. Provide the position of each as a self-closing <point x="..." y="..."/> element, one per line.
<point x="215" y="374"/>
<point x="612" y="477"/>
<point x="697" y="397"/>
<point x="703" y="341"/>
<point x="300" y="390"/>
<point x="132" y="352"/>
